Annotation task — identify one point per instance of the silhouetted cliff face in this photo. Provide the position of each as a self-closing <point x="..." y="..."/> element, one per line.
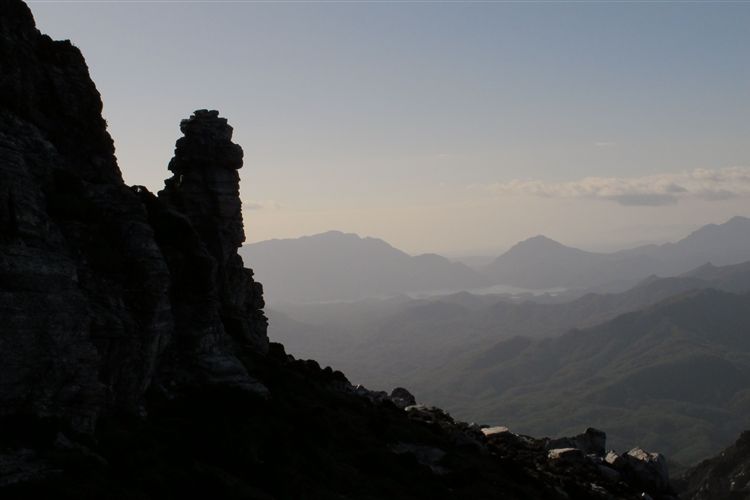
<point x="46" y="84"/>
<point x="84" y="311"/>
<point x="99" y="293"/>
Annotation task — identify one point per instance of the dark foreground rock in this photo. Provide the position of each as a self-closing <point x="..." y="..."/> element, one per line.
<point x="593" y="441"/>
<point x="134" y="360"/>
<point x="723" y="477"/>
<point x="307" y="439"/>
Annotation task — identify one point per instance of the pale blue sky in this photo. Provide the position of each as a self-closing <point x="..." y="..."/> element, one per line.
<point x="409" y="121"/>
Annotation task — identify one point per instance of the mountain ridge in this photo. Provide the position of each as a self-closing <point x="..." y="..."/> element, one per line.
<point x="536" y="263"/>
<point x="543" y="263"/>
<point x="640" y="358"/>
<point x="430" y="343"/>
<point x="353" y="267"/>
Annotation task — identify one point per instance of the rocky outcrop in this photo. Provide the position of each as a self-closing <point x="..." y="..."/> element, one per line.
<point x="104" y="287"/>
<point x="197" y="220"/>
<point x="206" y="188"/>
<point x="649" y="470"/>
<point x="640" y="469"/>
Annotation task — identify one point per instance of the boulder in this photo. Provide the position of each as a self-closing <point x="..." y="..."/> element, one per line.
<point x="493" y="431"/>
<point x="402" y="398"/>
<point x="565" y="455"/>
<point x="593" y="441"/>
<point x="649" y="470"/>
<point x="429" y="414"/>
<point x="613" y="459"/>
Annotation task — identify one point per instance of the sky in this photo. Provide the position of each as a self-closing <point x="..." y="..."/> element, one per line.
<point x="451" y="127"/>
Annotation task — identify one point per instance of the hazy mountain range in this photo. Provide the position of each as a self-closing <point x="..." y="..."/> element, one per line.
<point x="487" y="358"/>
<point x="629" y="355"/>
<point x="543" y="263"/>
<point x="339" y="266"/>
<point x="335" y="265"/>
<point x="674" y="376"/>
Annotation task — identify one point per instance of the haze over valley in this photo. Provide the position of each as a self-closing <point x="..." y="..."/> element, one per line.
<point x="612" y="347"/>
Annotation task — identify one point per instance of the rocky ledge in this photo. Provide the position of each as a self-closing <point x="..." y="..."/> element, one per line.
<point x="314" y="435"/>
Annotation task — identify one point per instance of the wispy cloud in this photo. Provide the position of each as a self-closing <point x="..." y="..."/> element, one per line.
<point x="249" y="205"/>
<point x="651" y="190"/>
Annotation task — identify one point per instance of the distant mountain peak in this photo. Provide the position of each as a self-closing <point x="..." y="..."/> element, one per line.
<point x="332" y="236"/>
<point x="335" y="265"/>
<point x="334" y="233"/>
<point x="542" y="238"/>
<point x="735" y="228"/>
<point x="539" y="241"/>
<point x="734" y="223"/>
<point x="541" y="244"/>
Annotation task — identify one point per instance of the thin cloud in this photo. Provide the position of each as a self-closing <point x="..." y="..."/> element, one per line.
<point x="249" y="205"/>
<point x="652" y="190"/>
